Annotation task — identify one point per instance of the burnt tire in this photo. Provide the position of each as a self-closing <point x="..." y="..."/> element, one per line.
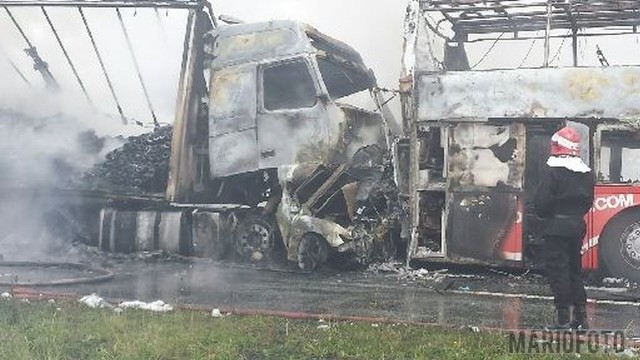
<point x="313" y="252"/>
<point x="254" y="238"/>
<point x="620" y="246"/>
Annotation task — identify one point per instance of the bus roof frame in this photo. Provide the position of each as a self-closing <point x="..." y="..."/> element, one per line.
<point x="489" y="18"/>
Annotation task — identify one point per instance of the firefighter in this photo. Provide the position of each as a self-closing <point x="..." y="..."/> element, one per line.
<point x="563" y="197"/>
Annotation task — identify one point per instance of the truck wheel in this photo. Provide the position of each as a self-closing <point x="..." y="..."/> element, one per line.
<point x="620" y="246"/>
<point x="254" y="238"/>
<point x="312" y="252"/>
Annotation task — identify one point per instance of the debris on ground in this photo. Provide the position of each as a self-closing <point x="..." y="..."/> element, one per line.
<point x="472" y="328"/>
<point x="94" y="301"/>
<point x="140" y="165"/>
<point x="5" y="295"/>
<point x="156" y="306"/>
<point x="322" y="325"/>
<point x="216" y="313"/>
<point x="607" y="289"/>
<point x="615" y="282"/>
<point x="92" y="253"/>
<point x="626" y="352"/>
<point x="407" y="274"/>
<point x="387" y="267"/>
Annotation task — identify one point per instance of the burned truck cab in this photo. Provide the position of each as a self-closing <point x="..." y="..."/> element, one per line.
<point x="280" y="143"/>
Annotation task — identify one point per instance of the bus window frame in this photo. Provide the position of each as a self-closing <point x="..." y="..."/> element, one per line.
<point x="597" y="161"/>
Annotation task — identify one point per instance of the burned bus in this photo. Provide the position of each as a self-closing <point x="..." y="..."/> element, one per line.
<point x="487" y="85"/>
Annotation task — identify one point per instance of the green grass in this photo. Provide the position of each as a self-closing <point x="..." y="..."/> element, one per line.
<point x="72" y="331"/>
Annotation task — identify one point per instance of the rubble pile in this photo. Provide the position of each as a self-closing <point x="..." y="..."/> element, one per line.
<point x="140" y="165"/>
<point x="403" y="273"/>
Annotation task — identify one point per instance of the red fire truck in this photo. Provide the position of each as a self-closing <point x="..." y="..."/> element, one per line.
<point x="487" y="85"/>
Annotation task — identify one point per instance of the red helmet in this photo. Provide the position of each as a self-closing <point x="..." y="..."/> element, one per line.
<point x="565" y="141"/>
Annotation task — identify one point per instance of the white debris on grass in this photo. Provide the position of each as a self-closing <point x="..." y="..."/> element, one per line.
<point x="156" y="306"/>
<point x="6" y="295"/>
<point x="94" y="301"/>
<point x="627" y="352"/>
<point x="216" y="313"/>
<point x="51" y="301"/>
<point x="322" y="325"/>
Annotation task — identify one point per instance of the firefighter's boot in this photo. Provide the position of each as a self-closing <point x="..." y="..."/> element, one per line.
<point x="563" y="320"/>
<point x="579" y="318"/>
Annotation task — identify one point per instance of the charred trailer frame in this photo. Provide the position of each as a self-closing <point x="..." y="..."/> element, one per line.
<point x="477" y="139"/>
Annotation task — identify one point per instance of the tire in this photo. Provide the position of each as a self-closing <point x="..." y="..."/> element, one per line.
<point x="253" y="238"/>
<point x="312" y="252"/>
<point x="620" y="246"/>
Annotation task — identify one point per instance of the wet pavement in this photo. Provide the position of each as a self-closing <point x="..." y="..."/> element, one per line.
<point x="431" y="297"/>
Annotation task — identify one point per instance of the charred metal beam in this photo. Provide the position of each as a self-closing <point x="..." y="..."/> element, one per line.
<point x="38" y="64"/>
<point x="480" y="16"/>
<point x="498" y="28"/>
<point x="102" y="66"/>
<point x="104" y="4"/>
<point x="322" y="190"/>
<point x="66" y="55"/>
<point x="574" y="34"/>
<point x="137" y="68"/>
<point x="547" y="33"/>
<point x="192" y="87"/>
<point x="483" y="5"/>
<point x="16" y="69"/>
<point x="165" y="38"/>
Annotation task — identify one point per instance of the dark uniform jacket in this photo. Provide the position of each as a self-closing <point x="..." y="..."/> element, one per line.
<point x="561" y="201"/>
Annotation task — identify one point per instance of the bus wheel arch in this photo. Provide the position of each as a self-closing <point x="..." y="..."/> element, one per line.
<point x="619" y="245"/>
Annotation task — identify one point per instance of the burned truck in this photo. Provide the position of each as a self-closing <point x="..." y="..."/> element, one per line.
<point x="264" y="157"/>
<point x="477" y="135"/>
<point x="262" y="150"/>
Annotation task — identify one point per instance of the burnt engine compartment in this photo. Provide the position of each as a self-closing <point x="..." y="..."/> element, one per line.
<point x="358" y="198"/>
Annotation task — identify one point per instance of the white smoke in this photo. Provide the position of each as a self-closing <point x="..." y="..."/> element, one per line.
<point x="41" y="157"/>
<point x="157" y="39"/>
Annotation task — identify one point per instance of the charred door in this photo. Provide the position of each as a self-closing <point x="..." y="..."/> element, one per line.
<point x="538" y="137"/>
<point x="233" y="140"/>
<point x="485" y="171"/>
<point x="292" y="122"/>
